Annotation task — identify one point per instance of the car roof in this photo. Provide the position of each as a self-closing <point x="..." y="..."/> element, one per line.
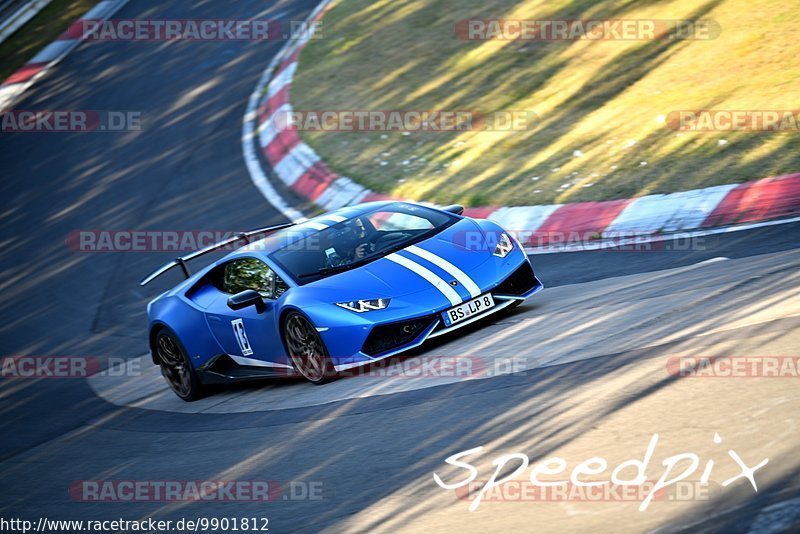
<point x="263" y="248"/>
<point x="293" y="234"/>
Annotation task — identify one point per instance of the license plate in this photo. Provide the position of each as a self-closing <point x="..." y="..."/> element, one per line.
<point x="468" y="309"/>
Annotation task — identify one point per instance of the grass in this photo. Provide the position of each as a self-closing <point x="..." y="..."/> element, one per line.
<point x="38" y="32"/>
<point x="600" y="132"/>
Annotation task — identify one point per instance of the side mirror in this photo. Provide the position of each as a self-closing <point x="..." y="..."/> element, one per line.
<point x="455" y="208"/>
<point x="247" y="298"/>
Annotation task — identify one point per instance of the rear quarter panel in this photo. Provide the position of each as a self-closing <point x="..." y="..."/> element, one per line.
<point x="187" y="322"/>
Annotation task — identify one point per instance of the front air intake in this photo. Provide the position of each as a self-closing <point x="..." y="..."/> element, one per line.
<point x="520" y="282"/>
<point x="386" y="337"/>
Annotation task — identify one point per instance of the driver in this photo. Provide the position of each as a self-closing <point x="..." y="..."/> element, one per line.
<point x="352" y="244"/>
<point x="364" y="248"/>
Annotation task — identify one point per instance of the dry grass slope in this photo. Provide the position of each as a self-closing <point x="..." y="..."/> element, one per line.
<point x="601" y="105"/>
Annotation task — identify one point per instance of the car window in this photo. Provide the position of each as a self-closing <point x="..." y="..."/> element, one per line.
<point x="386" y="221"/>
<point x="251" y="273"/>
<point x="359" y="240"/>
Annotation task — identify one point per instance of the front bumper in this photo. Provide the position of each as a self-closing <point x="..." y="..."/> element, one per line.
<point x="519" y="286"/>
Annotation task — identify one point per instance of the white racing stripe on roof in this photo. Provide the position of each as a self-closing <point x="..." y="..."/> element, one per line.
<point x="317" y="225"/>
<point x="425" y="273"/>
<point x="448" y="267"/>
<point x="335" y="218"/>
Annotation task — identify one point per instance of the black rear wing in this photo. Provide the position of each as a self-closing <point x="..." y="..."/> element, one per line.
<point x="182" y="261"/>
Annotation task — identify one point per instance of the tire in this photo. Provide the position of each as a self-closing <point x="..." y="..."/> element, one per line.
<point x="306" y="349"/>
<point x="176" y="368"/>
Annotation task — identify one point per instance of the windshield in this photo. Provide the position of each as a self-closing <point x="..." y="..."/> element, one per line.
<point x="360" y="240"/>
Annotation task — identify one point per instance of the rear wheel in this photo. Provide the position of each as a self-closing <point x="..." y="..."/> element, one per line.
<point x="176" y="368"/>
<point x="306" y="349"/>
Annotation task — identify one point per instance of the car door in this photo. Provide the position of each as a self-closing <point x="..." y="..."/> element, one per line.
<point x="248" y="335"/>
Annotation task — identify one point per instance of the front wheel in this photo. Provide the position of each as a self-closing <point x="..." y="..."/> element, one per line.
<point x="176" y="368"/>
<point x="306" y="349"/>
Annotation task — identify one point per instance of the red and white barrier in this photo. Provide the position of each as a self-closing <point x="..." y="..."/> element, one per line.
<point x="17" y="83"/>
<point x="301" y="169"/>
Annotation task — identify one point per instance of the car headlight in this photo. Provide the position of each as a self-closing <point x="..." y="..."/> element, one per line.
<point x="504" y="246"/>
<point x="362" y="306"/>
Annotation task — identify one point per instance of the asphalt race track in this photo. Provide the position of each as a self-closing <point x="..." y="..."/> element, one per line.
<point x="591" y="352"/>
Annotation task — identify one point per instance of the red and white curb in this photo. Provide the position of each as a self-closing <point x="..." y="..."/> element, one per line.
<point x="17" y="83"/>
<point x="653" y="217"/>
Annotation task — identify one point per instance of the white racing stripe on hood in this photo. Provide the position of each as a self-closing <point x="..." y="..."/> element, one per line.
<point x="448" y="267"/>
<point x="425" y="273"/>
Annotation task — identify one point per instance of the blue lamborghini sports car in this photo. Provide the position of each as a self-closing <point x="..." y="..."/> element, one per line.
<point x="344" y="289"/>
